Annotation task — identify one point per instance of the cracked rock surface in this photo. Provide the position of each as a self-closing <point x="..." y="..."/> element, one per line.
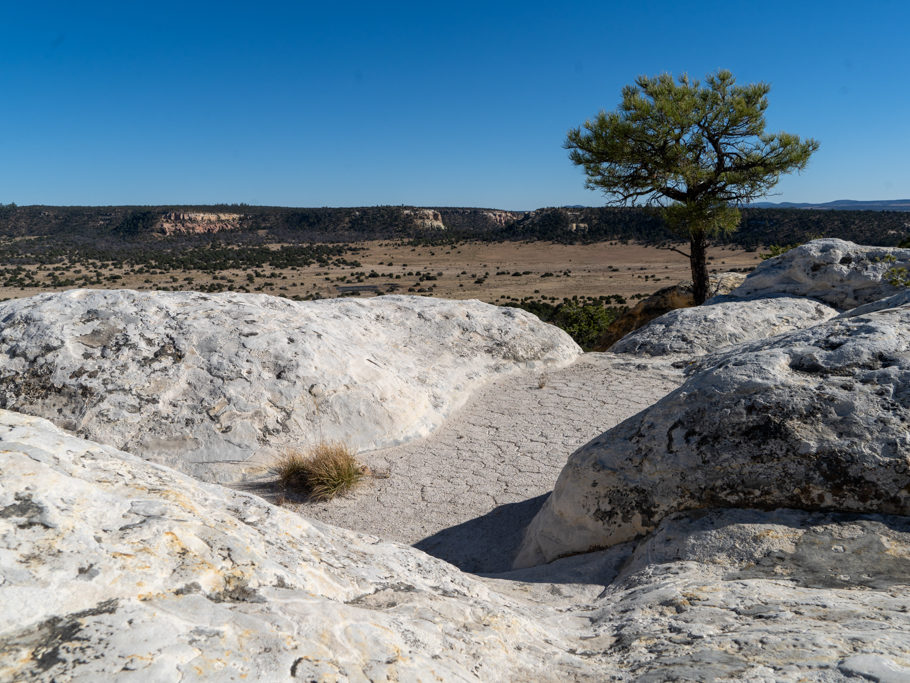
<point x="115" y="568"/>
<point x="466" y="492"/>
<point x="216" y="384"/>
<point x="815" y="419"/>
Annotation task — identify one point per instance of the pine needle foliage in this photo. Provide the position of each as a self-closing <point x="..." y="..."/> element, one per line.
<point x="696" y="152"/>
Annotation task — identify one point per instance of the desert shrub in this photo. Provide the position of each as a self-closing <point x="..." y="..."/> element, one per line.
<point x="898" y="276"/>
<point x="584" y="322"/>
<point x="777" y="250"/>
<point x="323" y="472"/>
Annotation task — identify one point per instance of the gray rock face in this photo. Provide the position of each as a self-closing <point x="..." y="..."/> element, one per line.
<point x="895" y="301"/>
<point x="713" y="326"/>
<point x="839" y="273"/>
<point x="813" y="419"/>
<point x="216" y="384"/>
<point x="114" y="568"/>
<point x="762" y="596"/>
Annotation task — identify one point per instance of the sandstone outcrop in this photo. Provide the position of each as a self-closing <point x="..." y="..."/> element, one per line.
<point x="426" y="219"/>
<point x="724" y="322"/>
<point x="197" y="222"/>
<point x="841" y="274"/>
<point x="900" y="299"/>
<point x="114" y="568"/>
<point x="814" y="419"/>
<point x="663" y="300"/>
<point x="216" y="384"/>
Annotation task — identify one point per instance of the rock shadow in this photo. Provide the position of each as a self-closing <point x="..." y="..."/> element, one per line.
<point x="486" y="544"/>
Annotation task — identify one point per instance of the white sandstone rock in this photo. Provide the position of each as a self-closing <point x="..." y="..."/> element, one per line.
<point x="814" y="419"/>
<point x="748" y="595"/>
<point x="114" y="568"/>
<point x="839" y="273"/>
<point x="216" y="384"/>
<point x="725" y="322"/>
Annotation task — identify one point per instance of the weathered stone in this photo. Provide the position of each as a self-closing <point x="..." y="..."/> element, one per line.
<point x="111" y="566"/>
<point x="762" y="596"/>
<point x="815" y="419"/>
<point x="114" y="568"/>
<point x="894" y="301"/>
<point x="217" y="384"/>
<point x="841" y="274"/>
<point x="721" y="323"/>
<point x="663" y="300"/>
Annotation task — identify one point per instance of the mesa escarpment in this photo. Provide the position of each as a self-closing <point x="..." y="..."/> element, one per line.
<point x="197" y="222"/>
<point x="750" y="525"/>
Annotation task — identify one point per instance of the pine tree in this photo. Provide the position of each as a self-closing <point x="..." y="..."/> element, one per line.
<point x="696" y="152"/>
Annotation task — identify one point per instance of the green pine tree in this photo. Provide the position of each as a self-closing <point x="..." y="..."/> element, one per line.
<point x="697" y="152"/>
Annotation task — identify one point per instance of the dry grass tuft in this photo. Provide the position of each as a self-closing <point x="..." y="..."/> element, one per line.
<point x="323" y="472"/>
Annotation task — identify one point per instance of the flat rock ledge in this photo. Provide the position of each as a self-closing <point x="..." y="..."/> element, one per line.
<point x="836" y="272"/>
<point x="115" y="568"/>
<point x="814" y="419"/>
<point x="721" y="323"/>
<point x="217" y="385"/>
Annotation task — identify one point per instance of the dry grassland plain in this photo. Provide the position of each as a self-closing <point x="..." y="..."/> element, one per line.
<point x="492" y="272"/>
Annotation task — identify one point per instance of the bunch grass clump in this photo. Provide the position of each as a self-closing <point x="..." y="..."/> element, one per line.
<point x="321" y="473"/>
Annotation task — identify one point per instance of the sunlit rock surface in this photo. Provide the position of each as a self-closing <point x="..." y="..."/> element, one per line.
<point x="217" y="384"/>
<point x="660" y="302"/>
<point x="115" y="568"/>
<point x="815" y="419"/>
<point x="711" y="327"/>
<point x="839" y="273"/>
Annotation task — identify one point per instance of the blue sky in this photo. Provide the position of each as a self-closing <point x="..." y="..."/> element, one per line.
<point x="455" y="104"/>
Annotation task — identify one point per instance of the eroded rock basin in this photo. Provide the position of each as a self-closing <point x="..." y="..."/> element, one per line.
<point x="116" y="568"/>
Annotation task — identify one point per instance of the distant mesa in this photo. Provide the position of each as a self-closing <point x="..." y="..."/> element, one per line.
<point x="426" y="218"/>
<point x="197" y="223"/>
<point x="841" y="205"/>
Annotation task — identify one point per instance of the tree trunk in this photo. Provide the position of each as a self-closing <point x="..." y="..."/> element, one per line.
<point x="698" y="259"/>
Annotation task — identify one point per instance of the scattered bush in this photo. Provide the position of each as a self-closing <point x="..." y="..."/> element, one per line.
<point x="584" y="322"/>
<point x="898" y="276"/>
<point x="323" y="472"/>
<point x="777" y="250"/>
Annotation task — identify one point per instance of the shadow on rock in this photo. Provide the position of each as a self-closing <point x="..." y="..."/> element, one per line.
<point x="487" y="544"/>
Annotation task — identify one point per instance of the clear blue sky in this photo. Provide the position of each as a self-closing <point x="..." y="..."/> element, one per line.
<point x="449" y="104"/>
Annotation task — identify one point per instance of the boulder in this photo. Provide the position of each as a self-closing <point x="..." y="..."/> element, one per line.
<point x="216" y="384"/>
<point x="841" y="274"/>
<point x="749" y="595"/>
<point x="663" y="300"/>
<point x="816" y="419"/>
<point x="706" y="329"/>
